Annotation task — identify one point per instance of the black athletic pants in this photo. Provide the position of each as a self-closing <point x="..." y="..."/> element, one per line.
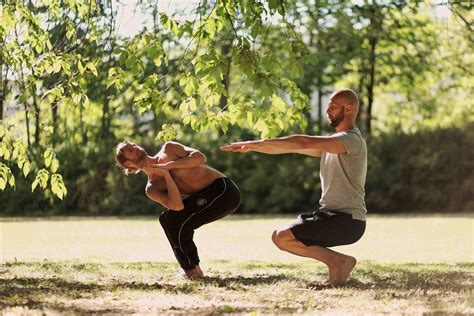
<point x="220" y="198"/>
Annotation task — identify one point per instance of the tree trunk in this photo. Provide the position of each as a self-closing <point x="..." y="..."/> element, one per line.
<point x="105" y="119"/>
<point x="36" y="114"/>
<point x="225" y="51"/>
<point x="27" y="123"/>
<point x="370" y="85"/>
<point x="374" y="28"/>
<point x="316" y="16"/>
<point x="81" y="124"/>
<point x="2" y="88"/>
<point x="54" y="110"/>
<point x="320" y="108"/>
<point x="360" y="120"/>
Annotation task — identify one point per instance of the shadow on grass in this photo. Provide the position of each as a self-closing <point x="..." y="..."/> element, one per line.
<point x="407" y="278"/>
<point x="233" y="281"/>
<point x="29" y="293"/>
<point x="56" y="293"/>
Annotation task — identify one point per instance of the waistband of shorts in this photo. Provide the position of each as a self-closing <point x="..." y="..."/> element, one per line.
<point x="339" y="213"/>
<point x="213" y="184"/>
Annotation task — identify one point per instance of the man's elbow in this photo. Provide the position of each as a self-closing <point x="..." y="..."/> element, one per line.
<point x="150" y="194"/>
<point x="176" y="206"/>
<point x="200" y="157"/>
<point x="303" y="142"/>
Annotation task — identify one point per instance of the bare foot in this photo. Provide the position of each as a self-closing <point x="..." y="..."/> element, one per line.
<point x="342" y="271"/>
<point x="332" y="276"/>
<point x="194" y="273"/>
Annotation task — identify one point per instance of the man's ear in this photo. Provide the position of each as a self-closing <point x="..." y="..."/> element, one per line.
<point x="348" y="108"/>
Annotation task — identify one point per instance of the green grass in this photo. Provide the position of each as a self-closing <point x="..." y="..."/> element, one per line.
<point x="407" y="265"/>
<point x="70" y="286"/>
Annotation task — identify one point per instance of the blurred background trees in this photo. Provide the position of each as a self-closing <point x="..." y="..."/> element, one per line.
<point x="72" y="87"/>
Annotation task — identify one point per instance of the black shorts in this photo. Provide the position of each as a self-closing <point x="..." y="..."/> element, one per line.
<point x="327" y="228"/>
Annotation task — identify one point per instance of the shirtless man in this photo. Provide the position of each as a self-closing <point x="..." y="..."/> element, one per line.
<point x="193" y="193"/>
<point x="341" y="218"/>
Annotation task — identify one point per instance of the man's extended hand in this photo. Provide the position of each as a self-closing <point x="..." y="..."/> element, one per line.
<point x="158" y="170"/>
<point x="239" y="147"/>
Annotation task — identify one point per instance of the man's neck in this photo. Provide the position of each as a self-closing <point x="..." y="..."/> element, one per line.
<point x="345" y="127"/>
<point x="151" y="160"/>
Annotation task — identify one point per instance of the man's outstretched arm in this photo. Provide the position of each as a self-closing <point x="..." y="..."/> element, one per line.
<point x="298" y="144"/>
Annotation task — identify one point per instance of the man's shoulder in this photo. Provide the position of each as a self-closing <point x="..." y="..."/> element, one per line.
<point x="353" y="140"/>
<point x="172" y="143"/>
<point x="172" y="146"/>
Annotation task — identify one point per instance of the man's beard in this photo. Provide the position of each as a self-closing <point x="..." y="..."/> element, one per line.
<point x="334" y="122"/>
<point x="140" y="159"/>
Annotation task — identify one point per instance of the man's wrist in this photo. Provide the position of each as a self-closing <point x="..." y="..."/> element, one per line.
<point x="170" y="165"/>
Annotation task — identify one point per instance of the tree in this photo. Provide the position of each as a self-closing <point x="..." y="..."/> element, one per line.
<point x="52" y="68"/>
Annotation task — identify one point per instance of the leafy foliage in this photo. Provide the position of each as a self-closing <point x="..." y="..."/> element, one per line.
<point x="72" y="88"/>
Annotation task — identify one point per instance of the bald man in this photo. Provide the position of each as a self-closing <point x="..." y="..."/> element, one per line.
<point x="341" y="217"/>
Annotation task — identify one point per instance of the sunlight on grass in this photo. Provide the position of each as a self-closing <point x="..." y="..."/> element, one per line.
<point x="396" y="239"/>
<point x="233" y="287"/>
<point x="407" y="265"/>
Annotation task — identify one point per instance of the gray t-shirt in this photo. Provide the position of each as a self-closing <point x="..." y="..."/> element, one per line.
<point x="343" y="176"/>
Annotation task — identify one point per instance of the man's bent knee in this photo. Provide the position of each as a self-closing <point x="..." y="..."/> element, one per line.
<point x="280" y="237"/>
<point x="274" y="237"/>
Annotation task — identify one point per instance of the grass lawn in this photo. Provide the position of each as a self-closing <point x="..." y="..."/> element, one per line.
<point x="407" y="265"/>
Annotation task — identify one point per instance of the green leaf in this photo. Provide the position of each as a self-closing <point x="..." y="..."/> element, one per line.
<point x="59" y="194"/>
<point x="6" y="153"/>
<point x="167" y="133"/>
<point x="86" y="100"/>
<point x="57" y="66"/>
<point x="48" y="156"/>
<point x="15" y="152"/>
<point x="44" y="179"/>
<point x="80" y="67"/>
<point x="11" y="181"/>
<point x="26" y="168"/>
<point x="92" y="68"/>
<point x="48" y="129"/>
<point x="63" y="188"/>
<point x="157" y="61"/>
<point x="3" y="184"/>
<point x="76" y="98"/>
<point x="262" y="127"/>
<point x="54" y="187"/>
<point x="188" y="89"/>
<point x="48" y="161"/>
<point x="48" y="68"/>
<point x="224" y="126"/>
<point x="34" y="184"/>
<point x="250" y="118"/>
<point x="145" y="93"/>
<point x="210" y="28"/>
<point x="54" y="165"/>
<point x="279" y="122"/>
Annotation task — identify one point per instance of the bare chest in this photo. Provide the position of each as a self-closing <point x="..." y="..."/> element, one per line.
<point x="186" y="179"/>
